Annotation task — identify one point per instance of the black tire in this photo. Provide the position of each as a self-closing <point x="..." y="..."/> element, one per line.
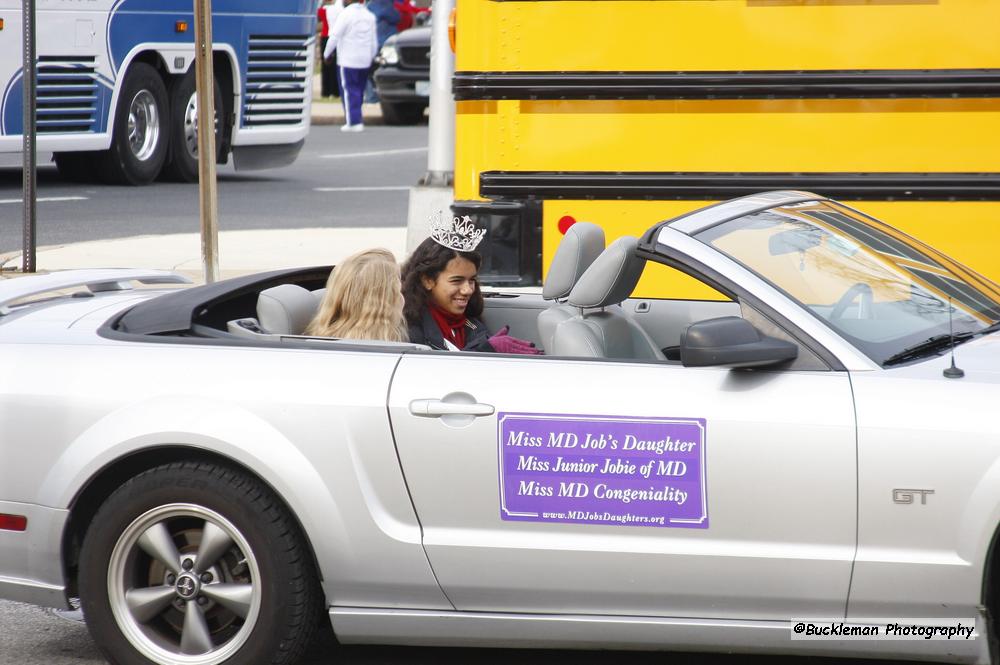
<point x="136" y="159"/>
<point x="76" y="166"/>
<point x="182" y="152"/>
<point x="401" y="113"/>
<point x="267" y="614"/>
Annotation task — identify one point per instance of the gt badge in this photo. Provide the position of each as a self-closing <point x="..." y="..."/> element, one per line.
<point x="909" y="496"/>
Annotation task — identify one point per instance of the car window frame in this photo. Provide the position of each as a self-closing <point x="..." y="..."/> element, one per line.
<point x="654" y="250"/>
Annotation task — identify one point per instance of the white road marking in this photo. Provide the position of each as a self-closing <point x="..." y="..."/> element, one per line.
<point x="49" y="199"/>
<point x="362" y="189"/>
<point x="373" y="153"/>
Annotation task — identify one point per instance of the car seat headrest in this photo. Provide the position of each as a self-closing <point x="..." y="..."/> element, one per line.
<point x="286" y="309"/>
<point x="611" y="278"/>
<point x="582" y="243"/>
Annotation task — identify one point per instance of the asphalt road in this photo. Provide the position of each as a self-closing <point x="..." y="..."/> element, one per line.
<point x="33" y="636"/>
<point x="339" y="180"/>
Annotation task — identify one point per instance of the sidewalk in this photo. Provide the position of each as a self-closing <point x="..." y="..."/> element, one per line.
<point x="330" y="110"/>
<point x="240" y="252"/>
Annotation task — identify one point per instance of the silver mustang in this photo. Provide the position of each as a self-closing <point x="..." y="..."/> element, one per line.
<point x="673" y="474"/>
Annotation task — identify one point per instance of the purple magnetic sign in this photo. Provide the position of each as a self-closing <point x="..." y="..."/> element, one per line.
<point x="602" y="470"/>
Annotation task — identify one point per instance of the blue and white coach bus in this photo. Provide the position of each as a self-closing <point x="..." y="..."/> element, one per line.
<point x="116" y="84"/>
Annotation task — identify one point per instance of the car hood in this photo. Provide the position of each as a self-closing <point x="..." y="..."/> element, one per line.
<point x="413" y="37"/>
<point x="979" y="355"/>
<point x="978" y="358"/>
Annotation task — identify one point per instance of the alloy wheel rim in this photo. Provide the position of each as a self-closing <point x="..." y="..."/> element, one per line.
<point x="143" y="125"/>
<point x="191" y="126"/>
<point x="184" y="585"/>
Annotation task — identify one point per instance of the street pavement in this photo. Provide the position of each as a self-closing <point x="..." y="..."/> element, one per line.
<point x="36" y="636"/>
<point x="345" y="192"/>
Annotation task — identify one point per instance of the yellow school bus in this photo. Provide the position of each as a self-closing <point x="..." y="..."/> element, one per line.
<point x="627" y="112"/>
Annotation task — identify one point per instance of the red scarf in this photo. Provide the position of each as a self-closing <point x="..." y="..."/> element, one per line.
<point x="452" y="325"/>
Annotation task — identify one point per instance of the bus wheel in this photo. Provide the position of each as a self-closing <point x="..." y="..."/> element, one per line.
<point x="182" y="156"/>
<point x="138" y="139"/>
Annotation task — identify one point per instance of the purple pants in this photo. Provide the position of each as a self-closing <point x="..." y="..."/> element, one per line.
<point x="352" y="91"/>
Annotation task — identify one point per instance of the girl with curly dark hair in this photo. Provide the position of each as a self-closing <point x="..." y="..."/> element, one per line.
<point x="443" y="303"/>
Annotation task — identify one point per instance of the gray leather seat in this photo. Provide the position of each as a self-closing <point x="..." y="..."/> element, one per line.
<point x="582" y="243"/>
<point x="286" y="309"/>
<point x="607" y="332"/>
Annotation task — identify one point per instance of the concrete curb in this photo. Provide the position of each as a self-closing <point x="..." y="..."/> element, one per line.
<point x="241" y="252"/>
<point x="332" y="113"/>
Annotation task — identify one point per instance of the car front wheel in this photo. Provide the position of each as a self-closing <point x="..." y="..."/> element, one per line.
<point x="197" y="564"/>
<point x="401" y="113"/>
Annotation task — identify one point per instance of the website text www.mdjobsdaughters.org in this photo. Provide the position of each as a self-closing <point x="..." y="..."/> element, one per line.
<point x="883" y="629"/>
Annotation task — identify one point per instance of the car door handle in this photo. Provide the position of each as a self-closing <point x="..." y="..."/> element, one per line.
<point x="435" y="408"/>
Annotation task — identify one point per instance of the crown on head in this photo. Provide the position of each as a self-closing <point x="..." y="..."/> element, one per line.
<point x="457" y="233"/>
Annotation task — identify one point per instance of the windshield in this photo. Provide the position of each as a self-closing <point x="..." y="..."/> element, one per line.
<point x="880" y="289"/>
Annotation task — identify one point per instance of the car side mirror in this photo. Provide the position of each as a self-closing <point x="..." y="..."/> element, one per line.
<point x="730" y="341"/>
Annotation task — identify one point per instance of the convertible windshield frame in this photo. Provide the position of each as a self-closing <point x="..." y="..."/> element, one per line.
<point x="904" y="292"/>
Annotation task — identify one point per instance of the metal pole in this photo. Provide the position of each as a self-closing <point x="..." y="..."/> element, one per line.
<point x="205" y="85"/>
<point x="29" y="179"/>
<point x="441" y="146"/>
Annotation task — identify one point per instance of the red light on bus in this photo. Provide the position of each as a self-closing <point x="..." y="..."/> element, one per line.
<point x="13" y="522"/>
<point x="181" y="26"/>
<point x="452" y="29"/>
<point x="565" y="222"/>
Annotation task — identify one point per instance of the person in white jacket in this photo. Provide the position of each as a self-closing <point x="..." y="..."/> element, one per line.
<point x="353" y="36"/>
<point x="327" y="16"/>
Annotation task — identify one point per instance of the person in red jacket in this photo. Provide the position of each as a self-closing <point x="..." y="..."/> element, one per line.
<point x="327" y="13"/>
<point x="442" y="302"/>
<point x="407" y="11"/>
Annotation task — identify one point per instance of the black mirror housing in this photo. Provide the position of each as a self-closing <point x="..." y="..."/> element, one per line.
<point x="730" y="341"/>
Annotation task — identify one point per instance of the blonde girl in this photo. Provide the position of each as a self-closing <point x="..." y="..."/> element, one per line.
<point x="363" y="300"/>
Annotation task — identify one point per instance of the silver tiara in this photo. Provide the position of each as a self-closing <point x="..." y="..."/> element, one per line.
<point x="457" y="233"/>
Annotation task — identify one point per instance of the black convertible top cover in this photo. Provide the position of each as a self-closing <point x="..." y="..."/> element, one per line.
<point x="212" y="304"/>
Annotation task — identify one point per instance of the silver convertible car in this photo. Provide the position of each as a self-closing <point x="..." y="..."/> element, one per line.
<point x="672" y="474"/>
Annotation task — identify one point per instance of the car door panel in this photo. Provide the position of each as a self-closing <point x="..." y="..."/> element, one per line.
<point x="310" y="422"/>
<point x="519" y="311"/>
<point x="662" y="319"/>
<point x="780" y="493"/>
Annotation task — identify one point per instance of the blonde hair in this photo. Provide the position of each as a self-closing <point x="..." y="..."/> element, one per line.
<point x="363" y="300"/>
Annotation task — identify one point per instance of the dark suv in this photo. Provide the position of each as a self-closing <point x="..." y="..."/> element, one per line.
<point x="403" y="76"/>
